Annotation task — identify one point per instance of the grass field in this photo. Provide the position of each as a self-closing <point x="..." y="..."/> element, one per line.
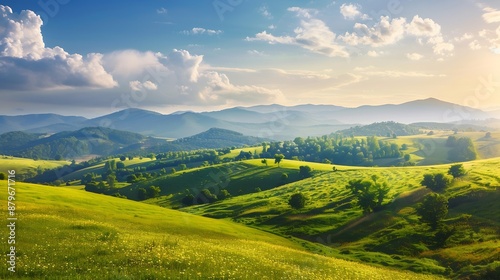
<point x="63" y="233"/>
<point x="331" y="216"/>
<point x="25" y="165"/>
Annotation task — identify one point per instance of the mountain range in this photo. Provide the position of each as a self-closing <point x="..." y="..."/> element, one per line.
<point x="266" y="121"/>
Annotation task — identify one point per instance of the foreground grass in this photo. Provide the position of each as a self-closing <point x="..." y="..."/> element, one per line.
<point x="71" y="234"/>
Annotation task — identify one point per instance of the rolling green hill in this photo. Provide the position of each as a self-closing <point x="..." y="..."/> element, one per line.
<point x="393" y="235"/>
<point x="71" y="234"/>
<point x="25" y="166"/>
<point x="381" y="129"/>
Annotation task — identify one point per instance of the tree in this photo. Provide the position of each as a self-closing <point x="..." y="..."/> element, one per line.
<point x="463" y="150"/>
<point x="297" y="201"/>
<point x="278" y="158"/>
<point x="205" y="196"/>
<point x="370" y="194"/>
<point x="153" y="191"/>
<point x="433" y="209"/>
<point x="131" y="178"/>
<point x="3" y="176"/>
<point x="130" y="157"/>
<point x="436" y="182"/>
<point x="404" y="147"/>
<point x="58" y="157"/>
<point x="407" y="157"/>
<point x="264" y="161"/>
<point x="487" y="135"/>
<point x="111" y="179"/>
<point x="123" y="158"/>
<point x="182" y="166"/>
<point x="457" y="170"/>
<point x="305" y="171"/>
<point x="120" y="165"/>
<point x="224" y="194"/>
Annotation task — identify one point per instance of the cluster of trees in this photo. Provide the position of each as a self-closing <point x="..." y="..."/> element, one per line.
<point x="370" y="194"/>
<point x="204" y="196"/>
<point x="462" y="149"/>
<point x="334" y="148"/>
<point x="434" y="208"/>
<point x="150" y="192"/>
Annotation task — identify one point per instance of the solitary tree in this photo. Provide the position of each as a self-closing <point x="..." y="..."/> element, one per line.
<point x="436" y="182"/>
<point x="111" y="179"/>
<point x="3" y="176"/>
<point x="264" y="161"/>
<point x="457" y="170"/>
<point x="278" y="158"/>
<point x="224" y="194"/>
<point x="305" y="171"/>
<point x="297" y="201"/>
<point x="433" y="209"/>
<point x="123" y="158"/>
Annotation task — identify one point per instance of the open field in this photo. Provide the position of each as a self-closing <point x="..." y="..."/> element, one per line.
<point x="25" y="165"/>
<point x="71" y="234"/>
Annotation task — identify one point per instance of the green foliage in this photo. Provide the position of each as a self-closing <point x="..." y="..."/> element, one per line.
<point x="297" y="201"/>
<point x="433" y="209"/>
<point x="436" y="182"/>
<point x="457" y="170"/>
<point x="370" y="194"/>
<point x="3" y="176"/>
<point x="264" y="161"/>
<point x="205" y="196"/>
<point x="407" y="157"/>
<point x="111" y="179"/>
<point x="120" y="165"/>
<point x="153" y="191"/>
<point x="390" y="129"/>
<point x="278" y="158"/>
<point x="224" y="194"/>
<point x="305" y="171"/>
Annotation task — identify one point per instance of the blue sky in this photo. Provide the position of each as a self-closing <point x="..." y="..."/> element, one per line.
<point x="95" y="57"/>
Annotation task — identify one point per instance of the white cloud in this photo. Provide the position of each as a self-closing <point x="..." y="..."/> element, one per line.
<point x="255" y="52"/>
<point x="200" y="31"/>
<point x="421" y="27"/>
<point x="385" y="32"/>
<point x="464" y="37"/>
<point x="272" y="26"/>
<point x="414" y="56"/>
<point x="389" y="32"/>
<point x="491" y="15"/>
<point x="351" y="11"/>
<point x="161" y="11"/>
<point x="264" y="11"/>
<point x="26" y="63"/>
<point x="313" y="35"/>
<point x="138" y="86"/>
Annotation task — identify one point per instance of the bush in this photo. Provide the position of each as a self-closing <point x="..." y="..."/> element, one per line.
<point x="188" y="200"/>
<point x="436" y="182"/>
<point x="297" y="201"/>
<point x="457" y="170"/>
<point x="3" y="176"/>
<point x="433" y="209"/>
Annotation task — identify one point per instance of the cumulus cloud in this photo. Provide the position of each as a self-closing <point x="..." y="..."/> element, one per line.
<point x="26" y="63"/>
<point x="474" y="45"/>
<point x="201" y="31"/>
<point x="161" y="11"/>
<point x="351" y="11"/>
<point x="385" y="32"/>
<point x="373" y="53"/>
<point x="312" y="34"/>
<point x="142" y="86"/>
<point x="491" y="15"/>
<point x="390" y="31"/>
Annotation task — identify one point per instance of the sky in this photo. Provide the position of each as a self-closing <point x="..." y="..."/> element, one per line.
<point x="91" y="58"/>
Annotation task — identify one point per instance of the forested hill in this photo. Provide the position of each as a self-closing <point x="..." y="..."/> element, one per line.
<point x="214" y="138"/>
<point x="381" y="129"/>
<point x="90" y="140"/>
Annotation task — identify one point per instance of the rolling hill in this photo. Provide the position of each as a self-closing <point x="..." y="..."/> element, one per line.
<point x="99" y="237"/>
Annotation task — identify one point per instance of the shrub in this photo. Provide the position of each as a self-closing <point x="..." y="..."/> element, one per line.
<point x="297" y="201"/>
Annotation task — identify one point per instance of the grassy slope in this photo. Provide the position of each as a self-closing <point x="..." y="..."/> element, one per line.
<point x="330" y="217"/>
<point x="25" y="165"/>
<point x="71" y="234"/>
<point x="238" y="178"/>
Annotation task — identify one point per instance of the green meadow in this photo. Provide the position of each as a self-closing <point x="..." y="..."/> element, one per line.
<point x="72" y="234"/>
